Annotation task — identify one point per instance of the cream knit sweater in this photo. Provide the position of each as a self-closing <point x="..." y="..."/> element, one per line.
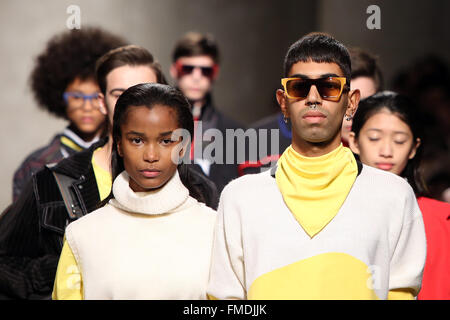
<point x="374" y="245"/>
<point x="154" y="245"/>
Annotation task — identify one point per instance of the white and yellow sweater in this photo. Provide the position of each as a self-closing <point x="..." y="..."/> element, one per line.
<point x="154" y="245"/>
<point x="373" y="248"/>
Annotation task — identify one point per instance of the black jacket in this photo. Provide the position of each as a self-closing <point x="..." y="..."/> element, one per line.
<point x="220" y="173"/>
<point x="32" y="228"/>
<point x="265" y="159"/>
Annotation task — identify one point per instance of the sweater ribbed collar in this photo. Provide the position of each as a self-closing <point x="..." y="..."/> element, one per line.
<point x="164" y="200"/>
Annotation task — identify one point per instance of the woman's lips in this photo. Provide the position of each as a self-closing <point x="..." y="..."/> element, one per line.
<point x="384" y="166"/>
<point x="87" y="119"/>
<point x="150" y="173"/>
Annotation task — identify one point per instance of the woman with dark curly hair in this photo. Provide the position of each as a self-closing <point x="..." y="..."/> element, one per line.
<point x="63" y="83"/>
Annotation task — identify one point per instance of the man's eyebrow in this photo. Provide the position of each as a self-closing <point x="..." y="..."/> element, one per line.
<point x="304" y="76"/>
<point x="116" y="89"/>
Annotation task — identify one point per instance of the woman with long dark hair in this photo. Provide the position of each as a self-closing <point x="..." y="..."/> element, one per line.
<point x="153" y="238"/>
<point x="387" y="134"/>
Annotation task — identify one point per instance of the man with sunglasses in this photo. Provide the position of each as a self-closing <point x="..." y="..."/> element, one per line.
<point x="319" y="224"/>
<point x="195" y="68"/>
<point x="366" y="76"/>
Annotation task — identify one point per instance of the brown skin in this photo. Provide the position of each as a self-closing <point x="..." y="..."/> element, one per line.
<point x="316" y="136"/>
<point x="367" y="87"/>
<point x="146" y="146"/>
<point x="117" y="81"/>
<point x="87" y="121"/>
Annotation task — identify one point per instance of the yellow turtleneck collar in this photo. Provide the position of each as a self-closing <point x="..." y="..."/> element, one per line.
<point x="314" y="188"/>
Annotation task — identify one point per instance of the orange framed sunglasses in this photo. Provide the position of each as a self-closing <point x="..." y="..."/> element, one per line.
<point x="329" y="88"/>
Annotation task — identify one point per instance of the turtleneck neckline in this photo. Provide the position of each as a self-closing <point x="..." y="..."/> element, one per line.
<point x="164" y="200"/>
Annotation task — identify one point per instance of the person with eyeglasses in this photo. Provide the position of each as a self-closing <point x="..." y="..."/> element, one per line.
<point x="63" y="83"/>
<point x="319" y="224"/>
<point x="32" y="229"/>
<point x="195" y="68"/>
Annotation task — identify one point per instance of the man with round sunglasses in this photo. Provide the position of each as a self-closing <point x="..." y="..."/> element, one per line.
<point x="319" y="224"/>
<point x="195" y="68"/>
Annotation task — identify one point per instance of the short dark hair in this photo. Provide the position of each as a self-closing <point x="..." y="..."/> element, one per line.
<point x="365" y="64"/>
<point x="150" y="95"/>
<point x="318" y="47"/>
<point x="406" y="110"/>
<point x="130" y="55"/>
<point x="67" y="56"/>
<point x="196" y="44"/>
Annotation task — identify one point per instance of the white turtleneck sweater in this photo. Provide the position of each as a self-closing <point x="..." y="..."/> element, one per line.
<point x="152" y="245"/>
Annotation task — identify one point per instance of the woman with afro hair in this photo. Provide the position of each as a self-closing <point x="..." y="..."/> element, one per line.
<point x="63" y="83"/>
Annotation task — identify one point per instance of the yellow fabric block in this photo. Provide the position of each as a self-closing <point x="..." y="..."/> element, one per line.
<point x="103" y="178"/>
<point x="314" y="188"/>
<point x="68" y="282"/>
<point x="72" y="145"/>
<point x="401" y="294"/>
<point x="326" y="276"/>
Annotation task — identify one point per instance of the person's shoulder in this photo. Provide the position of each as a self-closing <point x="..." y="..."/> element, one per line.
<point x="202" y="209"/>
<point x="79" y="162"/>
<point x="95" y="219"/>
<point x="268" y="122"/>
<point x="41" y="156"/>
<point x="227" y="122"/>
<point x="388" y="181"/>
<point x="249" y="182"/>
<point x="434" y="208"/>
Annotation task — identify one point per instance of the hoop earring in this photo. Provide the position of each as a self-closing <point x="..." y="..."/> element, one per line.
<point x="285" y="119"/>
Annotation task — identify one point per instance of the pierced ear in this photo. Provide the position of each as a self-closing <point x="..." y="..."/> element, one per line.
<point x="353" y="143"/>
<point x="102" y="104"/>
<point x="413" y="151"/>
<point x="281" y="98"/>
<point x="353" y="101"/>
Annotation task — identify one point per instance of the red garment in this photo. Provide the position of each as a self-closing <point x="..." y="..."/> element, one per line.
<point x="436" y="276"/>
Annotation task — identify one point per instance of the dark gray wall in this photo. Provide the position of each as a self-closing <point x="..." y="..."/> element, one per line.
<point x="409" y="29"/>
